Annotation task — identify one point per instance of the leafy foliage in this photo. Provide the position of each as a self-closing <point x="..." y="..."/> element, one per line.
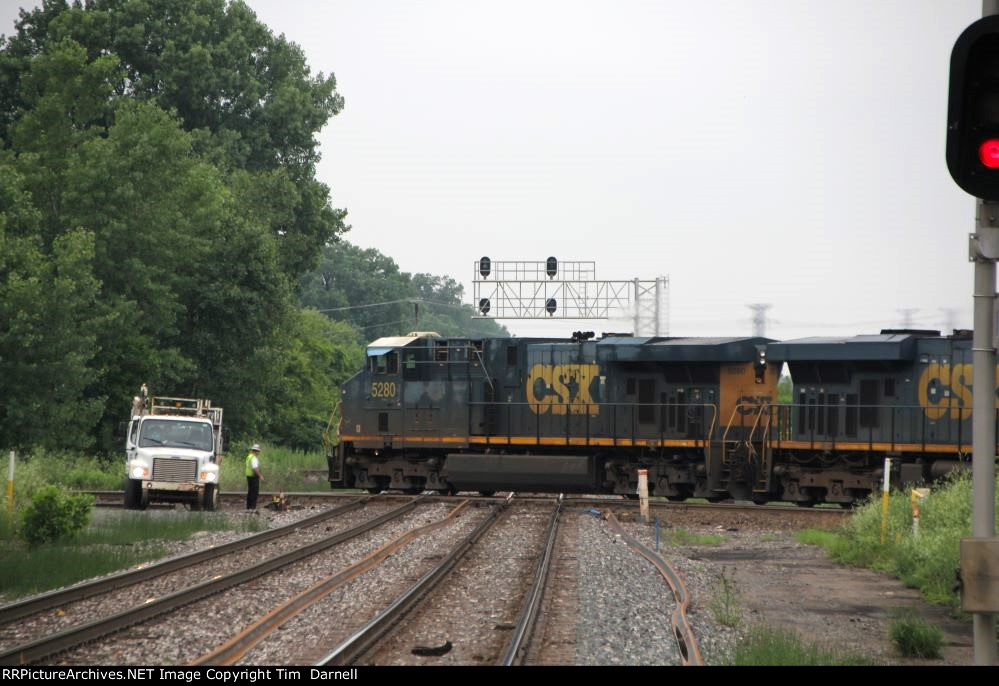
<point x="53" y="516"/>
<point x="927" y="561"/>
<point x="158" y="201"/>
<point x="160" y="223"/>
<point x="396" y="302"/>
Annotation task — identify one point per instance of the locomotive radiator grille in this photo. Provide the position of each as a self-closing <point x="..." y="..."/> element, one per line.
<point x="174" y="469"/>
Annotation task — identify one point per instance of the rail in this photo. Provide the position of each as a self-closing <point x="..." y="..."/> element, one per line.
<point x="690" y="653"/>
<point x="552" y="424"/>
<point x="335" y="419"/>
<point x="245" y="640"/>
<point x="60" y="598"/>
<point x="872" y="428"/>
<point x="367" y="636"/>
<point x="76" y="635"/>
<point x="514" y="652"/>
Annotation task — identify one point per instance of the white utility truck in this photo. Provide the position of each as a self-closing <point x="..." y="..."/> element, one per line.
<point x="173" y="452"/>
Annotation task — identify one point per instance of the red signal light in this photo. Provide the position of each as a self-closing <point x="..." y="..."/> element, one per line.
<point x="988" y="153"/>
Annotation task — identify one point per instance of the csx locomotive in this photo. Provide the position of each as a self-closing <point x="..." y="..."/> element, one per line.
<point x="701" y="414"/>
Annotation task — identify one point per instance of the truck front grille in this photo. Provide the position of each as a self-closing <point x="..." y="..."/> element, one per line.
<point x="174" y="469"/>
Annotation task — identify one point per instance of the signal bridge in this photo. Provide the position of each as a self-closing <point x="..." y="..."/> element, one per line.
<point x="549" y="289"/>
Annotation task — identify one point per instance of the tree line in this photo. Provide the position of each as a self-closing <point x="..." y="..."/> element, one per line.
<point x="161" y="222"/>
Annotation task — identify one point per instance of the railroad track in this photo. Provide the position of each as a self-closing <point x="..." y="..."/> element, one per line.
<point x="476" y="596"/>
<point x="690" y="653"/>
<point x="61" y="598"/>
<point x="516" y="649"/>
<point x="237" y="499"/>
<point x="48" y="645"/>
<point x="236" y="647"/>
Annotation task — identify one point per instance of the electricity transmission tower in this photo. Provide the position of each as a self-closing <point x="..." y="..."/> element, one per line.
<point x="759" y="319"/>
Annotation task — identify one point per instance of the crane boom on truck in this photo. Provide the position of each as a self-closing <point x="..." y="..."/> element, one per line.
<point x="173" y="450"/>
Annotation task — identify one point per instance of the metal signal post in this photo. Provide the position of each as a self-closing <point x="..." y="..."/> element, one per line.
<point x="973" y="161"/>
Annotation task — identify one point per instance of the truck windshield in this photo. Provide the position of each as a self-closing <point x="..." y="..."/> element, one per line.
<point x="174" y="434"/>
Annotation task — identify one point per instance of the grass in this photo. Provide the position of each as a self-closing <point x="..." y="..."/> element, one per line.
<point x="113" y="542"/>
<point x="725" y="602"/>
<point x="927" y="562"/>
<point x="127" y="528"/>
<point x="683" y="537"/>
<point x="914" y="636"/>
<point x="764" y="646"/>
<point x="284" y="470"/>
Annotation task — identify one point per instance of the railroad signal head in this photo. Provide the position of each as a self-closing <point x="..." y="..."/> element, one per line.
<point x="485" y="266"/>
<point x="973" y="110"/>
<point x="484" y="305"/>
<point x="550" y="306"/>
<point x="551" y="267"/>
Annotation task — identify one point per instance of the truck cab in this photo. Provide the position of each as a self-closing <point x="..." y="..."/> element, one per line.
<point x="173" y="449"/>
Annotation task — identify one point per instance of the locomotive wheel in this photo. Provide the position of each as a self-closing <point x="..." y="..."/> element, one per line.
<point x="805" y="503"/>
<point x="715" y="499"/>
<point x="487" y="494"/>
<point x="760" y="500"/>
<point x="676" y="498"/>
<point x="374" y="490"/>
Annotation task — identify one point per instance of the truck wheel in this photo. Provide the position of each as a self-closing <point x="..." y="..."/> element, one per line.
<point x="133" y="494"/>
<point x="210" y="501"/>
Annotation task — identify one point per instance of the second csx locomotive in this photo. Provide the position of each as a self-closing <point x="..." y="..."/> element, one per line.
<point x="701" y="414"/>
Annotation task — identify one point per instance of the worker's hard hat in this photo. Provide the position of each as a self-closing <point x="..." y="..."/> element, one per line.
<point x="255" y="448"/>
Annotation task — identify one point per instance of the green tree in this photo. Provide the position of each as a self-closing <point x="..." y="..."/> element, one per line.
<point x="248" y="96"/>
<point x="367" y="289"/>
<point x="49" y="321"/>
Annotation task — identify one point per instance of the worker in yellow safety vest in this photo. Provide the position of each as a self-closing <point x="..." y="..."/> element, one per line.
<point x="253" y="477"/>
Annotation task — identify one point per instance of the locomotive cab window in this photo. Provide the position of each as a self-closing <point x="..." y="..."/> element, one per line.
<point x="392" y="363"/>
<point x="440" y="351"/>
<point x="377" y="364"/>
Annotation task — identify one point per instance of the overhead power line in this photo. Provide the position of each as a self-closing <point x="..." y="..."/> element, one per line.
<point x="396" y="302"/>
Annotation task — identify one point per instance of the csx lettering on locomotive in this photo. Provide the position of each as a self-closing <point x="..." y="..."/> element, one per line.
<point x="561" y="388"/>
<point x="946" y="390"/>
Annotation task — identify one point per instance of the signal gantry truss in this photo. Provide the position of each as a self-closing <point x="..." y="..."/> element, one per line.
<point x="550" y="289"/>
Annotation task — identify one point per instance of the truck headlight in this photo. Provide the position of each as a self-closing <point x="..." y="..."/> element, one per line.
<point x="139" y="471"/>
<point x="209" y="476"/>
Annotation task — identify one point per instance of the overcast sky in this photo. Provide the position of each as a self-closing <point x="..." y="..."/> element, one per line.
<point x="787" y="152"/>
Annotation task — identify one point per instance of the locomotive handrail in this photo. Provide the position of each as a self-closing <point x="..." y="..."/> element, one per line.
<point x="327" y="441"/>
<point x="888" y="427"/>
<point x="699" y="430"/>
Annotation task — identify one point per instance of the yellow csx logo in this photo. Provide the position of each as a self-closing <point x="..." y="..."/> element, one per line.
<point x="944" y="388"/>
<point x="566" y="387"/>
<point x="752" y="404"/>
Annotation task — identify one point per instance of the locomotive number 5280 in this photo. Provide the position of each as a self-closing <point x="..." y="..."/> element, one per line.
<point x="383" y="389"/>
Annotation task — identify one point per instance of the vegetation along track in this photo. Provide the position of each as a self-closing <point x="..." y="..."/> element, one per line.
<point x="64" y="598"/>
<point x="142" y="612"/>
